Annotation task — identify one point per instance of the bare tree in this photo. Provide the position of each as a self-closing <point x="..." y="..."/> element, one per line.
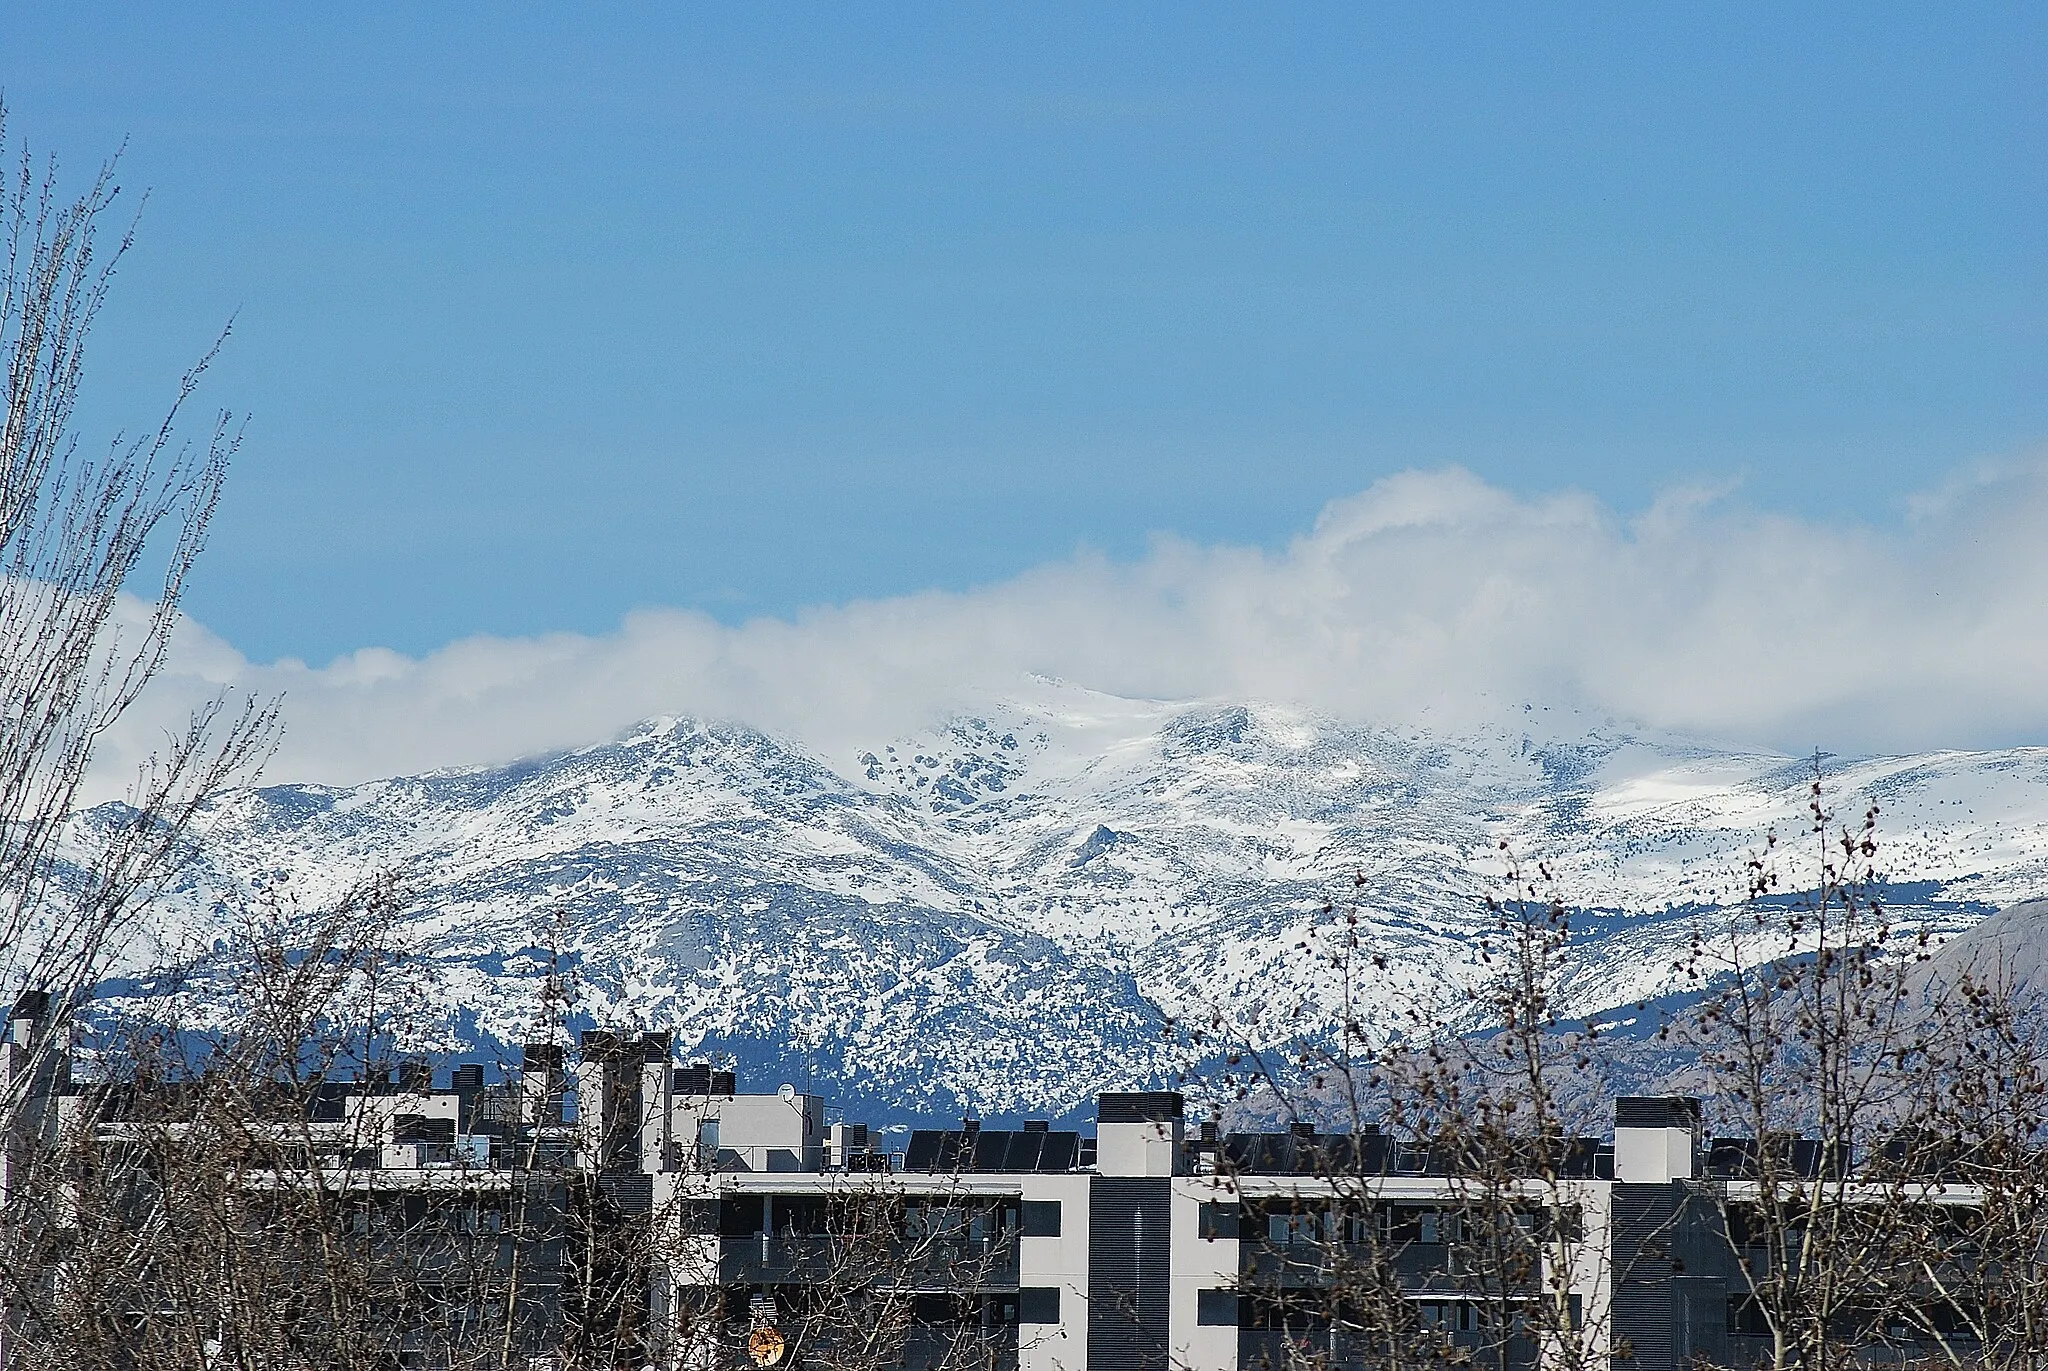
<point x="1823" y="1056"/>
<point x="1440" y="1218"/>
<point x="1514" y="1109"/>
<point x="870" y="1271"/>
<point x="1970" y="1280"/>
<point x="76" y="533"/>
<point x="194" y="1206"/>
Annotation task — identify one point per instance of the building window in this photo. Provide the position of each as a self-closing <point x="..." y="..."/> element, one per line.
<point x="1038" y="1304"/>
<point x="1458" y="1317"/>
<point x="1216" y="1308"/>
<point x="1218" y="1221"/>
<point x="1041" y="1219"/>
<point x="741" y="1216"/>
<point x="1297" y="1228"/>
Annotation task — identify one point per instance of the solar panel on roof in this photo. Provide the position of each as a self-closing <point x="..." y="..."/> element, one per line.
<point x="1059" y="1151"/>
<point x="990" y="1151"/>
<point x="1024" y="1150"/>
<point x="939" y="1150"/>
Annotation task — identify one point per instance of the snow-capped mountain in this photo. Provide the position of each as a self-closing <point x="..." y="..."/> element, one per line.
<point x="1001" y="913"/>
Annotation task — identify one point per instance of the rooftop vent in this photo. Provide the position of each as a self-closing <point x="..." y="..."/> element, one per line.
<point x="542" y="1056"/>
<point x="1657" y="1111"/>
<point x="1138" y="1106"/>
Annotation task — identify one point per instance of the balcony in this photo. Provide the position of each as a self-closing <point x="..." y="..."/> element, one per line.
<point x="1418" y="1266"/>
<point x="946" y="1264"/>
<point x="1342" y="1349"/>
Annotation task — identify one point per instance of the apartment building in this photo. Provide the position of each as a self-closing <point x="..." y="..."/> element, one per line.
<point x="669" y="1217"/>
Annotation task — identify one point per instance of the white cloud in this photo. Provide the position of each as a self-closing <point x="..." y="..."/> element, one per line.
<point x="1430" y="594"/>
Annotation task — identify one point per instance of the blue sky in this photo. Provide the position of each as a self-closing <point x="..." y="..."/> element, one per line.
<point x="548" y="313"/>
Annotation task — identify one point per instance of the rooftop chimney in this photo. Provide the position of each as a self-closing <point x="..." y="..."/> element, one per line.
<point x="1138" y="1133"/>
<point x="1656" y="1139"/>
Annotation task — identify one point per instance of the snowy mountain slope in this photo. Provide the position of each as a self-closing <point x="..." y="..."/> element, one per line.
<point x="998" y="913"/>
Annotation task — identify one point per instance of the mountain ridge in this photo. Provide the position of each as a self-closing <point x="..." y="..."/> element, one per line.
<point x="1003" y="912"/>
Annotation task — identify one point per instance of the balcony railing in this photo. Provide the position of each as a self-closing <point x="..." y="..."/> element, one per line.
<point x="1417" y="1266"/>
<point x="1274" y="1347"/>
<point x="944" y="1264"/>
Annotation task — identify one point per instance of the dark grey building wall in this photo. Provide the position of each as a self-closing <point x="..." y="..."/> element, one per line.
<point x="1645" y="1220"/>
<point x="1128" y="1273"/>
<point x="1671" y="1278"/>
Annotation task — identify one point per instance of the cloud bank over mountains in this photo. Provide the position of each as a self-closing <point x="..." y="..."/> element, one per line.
<point x="1430" y="597"/>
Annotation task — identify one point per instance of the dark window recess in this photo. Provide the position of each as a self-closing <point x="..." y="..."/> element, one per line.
<point x="740" y="1216"/>
<point x="417" y="1128"/>
<point x="965" y="1311"/>
<point x="1041" y="1219"/>
<point x="1452" y="1315"/>
<point x="801" y="1216"/>
<point x="1216" y="1308"/>
<point x="932" y="1311"/>
<point x="1219" y="1221"/>
<point x="1038" y="1304"/>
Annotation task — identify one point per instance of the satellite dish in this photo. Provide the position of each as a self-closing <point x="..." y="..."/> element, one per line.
<point x="767" y="1347"/>
<point x="786" y="1092"/>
